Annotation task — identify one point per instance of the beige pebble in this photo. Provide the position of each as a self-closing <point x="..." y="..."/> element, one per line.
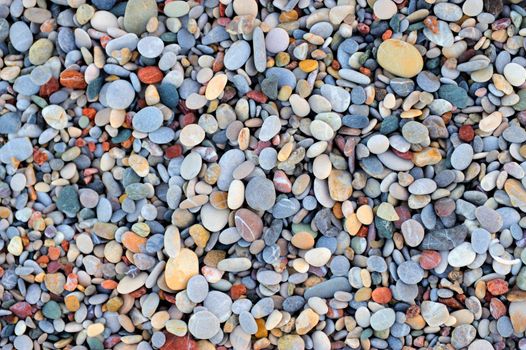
<point x="192" y="135"/>
<point x="216" y="86"/>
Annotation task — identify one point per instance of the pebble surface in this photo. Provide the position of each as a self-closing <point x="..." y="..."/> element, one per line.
<point x="256" y="174"/>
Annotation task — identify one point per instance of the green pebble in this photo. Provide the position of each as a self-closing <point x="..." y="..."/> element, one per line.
<point x="433" y="63"/>
<point x="93" y="89"/>
<point x="83" y="122"/>
<point x="366" y="334"/>
<point x="122" y="136"/>
<point x="454" y="94"/>
<point x="389" y="125"/>
<point x="137" y="191"/>
<point x="303" y="228"/>
<point x="130" y="177"/>
<point x="168" y="94"/>
<point x="394" y="23"/>
<point x="521" y="105"/>
<point x="358" y="244"/>
<point x="95" y="344"/>
<point x="382" y="334"/>
<point x="40" y="102"/>
<point x="383" y="227"/>
<point x="416" y="26"/>
<point x="52" y="310"/>
<point x="86" y="213"/>
<point x="169" y="37"/>
<point x="68" y="201"/>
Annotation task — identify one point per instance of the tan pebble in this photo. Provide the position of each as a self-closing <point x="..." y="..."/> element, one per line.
<point x="363" y="294"/>
<point x="352" y="224"/>
<point x="159" y="319"/>
<point x="9" y="73"/>
<point x="491" y="122"/>
<point x="285" y="151"/>
<point x="139" y="164"/>
<point x="365" y="214"/>
<point x="200" y="235"/>
<point x="243" y="139"/>
<point x="399" y="58"/>
<point x="301" y="183"/>
<point x="95" y="329"/>
<point x="340" y="187"/>
<point x="176" y="327"/>
<point x="306" y="321"/>
<point x="151" y="95"/>
<point x="502" y="84"/>
<point x="117" y="117"/>
<point x="303" y="240"/>
<point x="180" y="269"/>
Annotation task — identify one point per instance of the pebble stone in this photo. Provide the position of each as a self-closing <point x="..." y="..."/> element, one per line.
<point x="251" y="174"/>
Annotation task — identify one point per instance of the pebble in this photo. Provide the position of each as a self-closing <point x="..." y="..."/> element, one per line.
<point x="237" y="55"/>
<point x="399" y="58"/>
<point x="271" y="175"/>
<point x="203" y="325"/>
<point x="462" y="156"/>
<point x="147" y="119"/>
<point x="277" y="40"/>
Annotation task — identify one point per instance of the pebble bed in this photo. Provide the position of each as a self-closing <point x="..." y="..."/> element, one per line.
<point x="262" y="174"/>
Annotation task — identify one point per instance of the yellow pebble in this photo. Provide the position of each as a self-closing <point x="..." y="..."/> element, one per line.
<point x="308" y="65"/>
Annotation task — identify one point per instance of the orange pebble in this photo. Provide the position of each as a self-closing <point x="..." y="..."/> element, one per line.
<point x="237" y="291"/>
<point x="133" y="242"/>
<point x="72" y="79"/>
<point x="382" y="295"/>
<point x="53" y="253"/>
<point x="43" y="260"/>
<point x="262" y="331"/>
<point x="387" y="34"/>
<point x="72" y="282"/>
<point x="150" y="75"/>
<point x="109" y="284"/>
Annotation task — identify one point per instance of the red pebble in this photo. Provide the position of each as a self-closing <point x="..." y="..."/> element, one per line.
<point x="186" y="119"/>
<point x="419" y="341"/>
<point x="282" y="182"/>
<point x="363" y="28"/>
<point x="404" y="155"/>
<point x="257" y="96"/>
<point x="497" y="286"/>
<point x="429" y="259"/>
<point x="466" y="133"/>
<point x="179" y="343"/>
<point x="173" y="151"/>
<point x="237" y="291"/>
<point x="111" y="341"/>
<point x="497" y="308"/>
<point x="48" y="88"/>
<point x="404" y="214"/>
<point x="22" y="309"/>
